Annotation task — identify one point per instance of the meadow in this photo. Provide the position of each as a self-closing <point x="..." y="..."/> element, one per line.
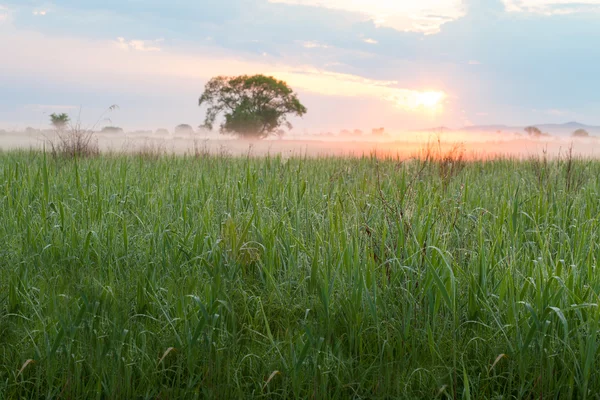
<point x="142" y="276"/>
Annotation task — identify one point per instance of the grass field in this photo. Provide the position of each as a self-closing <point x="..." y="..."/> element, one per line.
<point x="126" y="277"/>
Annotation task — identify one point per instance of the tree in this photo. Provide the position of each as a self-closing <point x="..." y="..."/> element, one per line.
<point x="59" y="121"/>
<point x="580" y="133"/>
<point x="252" y="106"/>
<point x="184" y="129"/>
<point x="533" y="131"/>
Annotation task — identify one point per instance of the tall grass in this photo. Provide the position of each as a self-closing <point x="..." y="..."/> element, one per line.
<point x="223" y="277"/>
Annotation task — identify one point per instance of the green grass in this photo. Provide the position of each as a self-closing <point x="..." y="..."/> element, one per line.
<point x="128" y="277"/>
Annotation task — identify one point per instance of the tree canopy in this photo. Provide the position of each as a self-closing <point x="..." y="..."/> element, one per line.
<point x="533" y="131"/>
<point x="184" y="129"/>
<point x="112" y="129"/>
<point x="59" y="121"/>
<point x="252" y="106"/>
<point x="580" y="133"/>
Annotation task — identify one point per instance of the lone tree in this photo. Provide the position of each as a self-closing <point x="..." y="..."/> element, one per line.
<point x="252" y="106"/>
<point x="580" y="133"/>
<point x="59" y="121"/>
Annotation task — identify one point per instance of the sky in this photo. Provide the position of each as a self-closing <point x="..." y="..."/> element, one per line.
<point x="356" y="64"/>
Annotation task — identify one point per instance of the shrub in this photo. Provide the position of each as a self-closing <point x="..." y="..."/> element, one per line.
<point x="184" y="129"/>
<point x="580" y="133"/>
<point x="74" y="142"/>
<point x="112" y="129"/>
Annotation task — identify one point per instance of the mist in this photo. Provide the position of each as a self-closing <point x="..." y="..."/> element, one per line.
<point x="473" y="143"/>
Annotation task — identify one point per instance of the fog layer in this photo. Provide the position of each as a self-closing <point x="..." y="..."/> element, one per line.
<point x="473" y="144"/>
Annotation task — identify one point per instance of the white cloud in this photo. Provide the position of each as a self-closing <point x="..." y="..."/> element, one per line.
<point x="552" y="7"/>
<point x="314" y="45"/>
<point x="474" y="62"/>
<point x="427" y="16"/>
<point x="370" y="41"/>
<point x="422" y="16"/>
<point x="139" y="45"/>
<point x="40" y="12"/>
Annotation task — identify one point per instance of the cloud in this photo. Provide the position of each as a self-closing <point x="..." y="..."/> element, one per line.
<point x="370" y="41"/>
<point x="99" y="63"/>
<point x="401" y="15"/>
<point x="4" y="14"/>
<point x="40" y="12"/>
<point x="347" y="85"/>
<point x="314" y="45"/>
<point x="490" y="58"/>
<point x="552" y="7"/>
<point x="139" y="45"/>
<point x="50" y="107"/>
<point x="554" y="112"/>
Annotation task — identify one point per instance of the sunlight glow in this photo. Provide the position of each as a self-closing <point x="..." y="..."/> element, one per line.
<point x="429" y="99"/>
<point x="346" y="85"/>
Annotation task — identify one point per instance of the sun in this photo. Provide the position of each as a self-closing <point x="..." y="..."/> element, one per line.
<point x="429" y="99"/>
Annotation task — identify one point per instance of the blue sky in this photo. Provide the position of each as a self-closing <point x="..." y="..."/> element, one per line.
<point x="355" y="63"/>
